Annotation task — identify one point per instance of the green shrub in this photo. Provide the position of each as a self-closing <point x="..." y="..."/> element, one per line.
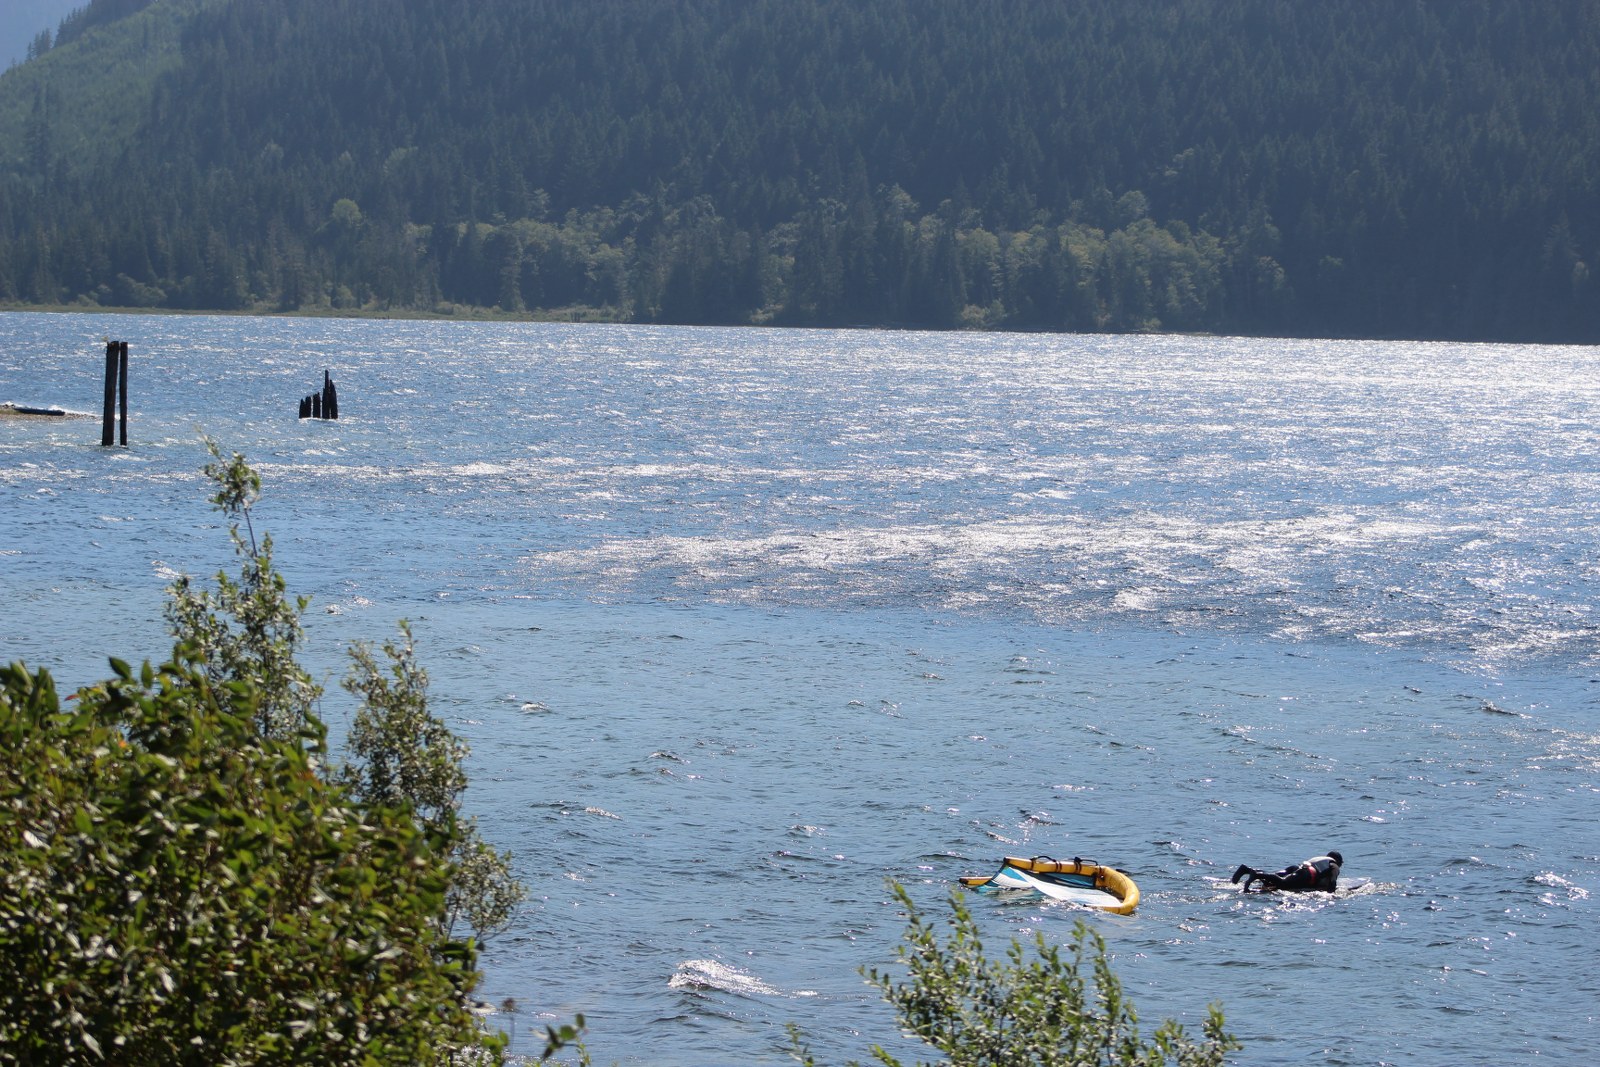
<point x="1009" y="1013"/>
<point x="187" y="878"/>
<point x="248" y="629"/>
<point x="176" y="888"/>
<point x="402" y="753"/>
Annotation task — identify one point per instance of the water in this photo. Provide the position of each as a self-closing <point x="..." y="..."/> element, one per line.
<point x="741" y="623"/>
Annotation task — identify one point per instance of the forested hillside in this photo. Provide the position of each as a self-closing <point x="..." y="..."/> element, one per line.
<point x="1416" y="168"/>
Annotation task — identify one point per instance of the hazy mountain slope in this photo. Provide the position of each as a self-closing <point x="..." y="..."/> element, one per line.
<point x="82" y="103"/>
<point x="22" y="20"/>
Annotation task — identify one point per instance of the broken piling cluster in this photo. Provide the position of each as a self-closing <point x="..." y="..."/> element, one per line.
<point x="323" y="405"/>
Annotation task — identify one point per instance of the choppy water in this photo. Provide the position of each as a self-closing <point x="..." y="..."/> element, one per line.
<point x="741" y="623"/>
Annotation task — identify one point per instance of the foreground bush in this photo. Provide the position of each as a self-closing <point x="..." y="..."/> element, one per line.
<point x="176" y="888"/>
<point x="186" y="877"/>
<point x="1016" y="1012"/>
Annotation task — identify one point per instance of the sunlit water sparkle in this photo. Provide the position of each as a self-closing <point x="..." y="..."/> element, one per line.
<point x="741" y="623"/>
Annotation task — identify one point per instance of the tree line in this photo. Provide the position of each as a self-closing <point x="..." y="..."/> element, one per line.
<point x="1348" y="168"/>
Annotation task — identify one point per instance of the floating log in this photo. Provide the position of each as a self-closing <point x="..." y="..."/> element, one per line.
<point x="20" y="411"/>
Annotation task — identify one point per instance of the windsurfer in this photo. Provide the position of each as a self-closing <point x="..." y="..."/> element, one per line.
<point x="1317" y="873"/>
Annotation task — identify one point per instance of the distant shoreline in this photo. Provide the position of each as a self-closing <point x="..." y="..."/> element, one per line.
<point x="460" y="313"/>
<point x="467" y="314"/>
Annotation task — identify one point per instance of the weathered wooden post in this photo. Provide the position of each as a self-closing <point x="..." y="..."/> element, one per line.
<point x="323" y="405"/>
<point x="109" y="424"/>
<point x="122" y="375"/>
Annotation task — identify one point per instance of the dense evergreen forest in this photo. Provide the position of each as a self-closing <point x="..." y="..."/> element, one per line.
<point x="1418" y="168"/>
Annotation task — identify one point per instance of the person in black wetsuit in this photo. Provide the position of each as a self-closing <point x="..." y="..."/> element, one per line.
<point x="1317" y="873"/>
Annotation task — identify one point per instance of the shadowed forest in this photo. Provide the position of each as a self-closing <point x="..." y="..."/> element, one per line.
<point x="1362" y="168"/>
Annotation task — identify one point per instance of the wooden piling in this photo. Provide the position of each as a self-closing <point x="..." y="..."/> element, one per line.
<point x="330" y="397"/>
<point x="122" y="360"/>
<point x="108" y="426"/>
<point x="323" y="405"/>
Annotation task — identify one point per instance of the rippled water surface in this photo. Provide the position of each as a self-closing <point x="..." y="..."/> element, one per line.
<point x="741" y="623"/>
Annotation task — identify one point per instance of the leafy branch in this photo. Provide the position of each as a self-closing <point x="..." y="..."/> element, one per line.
<point x="1061" y="1008"/>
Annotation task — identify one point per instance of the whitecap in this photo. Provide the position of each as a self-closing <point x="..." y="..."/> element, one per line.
<point x="1570" y="890"/>
<point x="713" y="976"/>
